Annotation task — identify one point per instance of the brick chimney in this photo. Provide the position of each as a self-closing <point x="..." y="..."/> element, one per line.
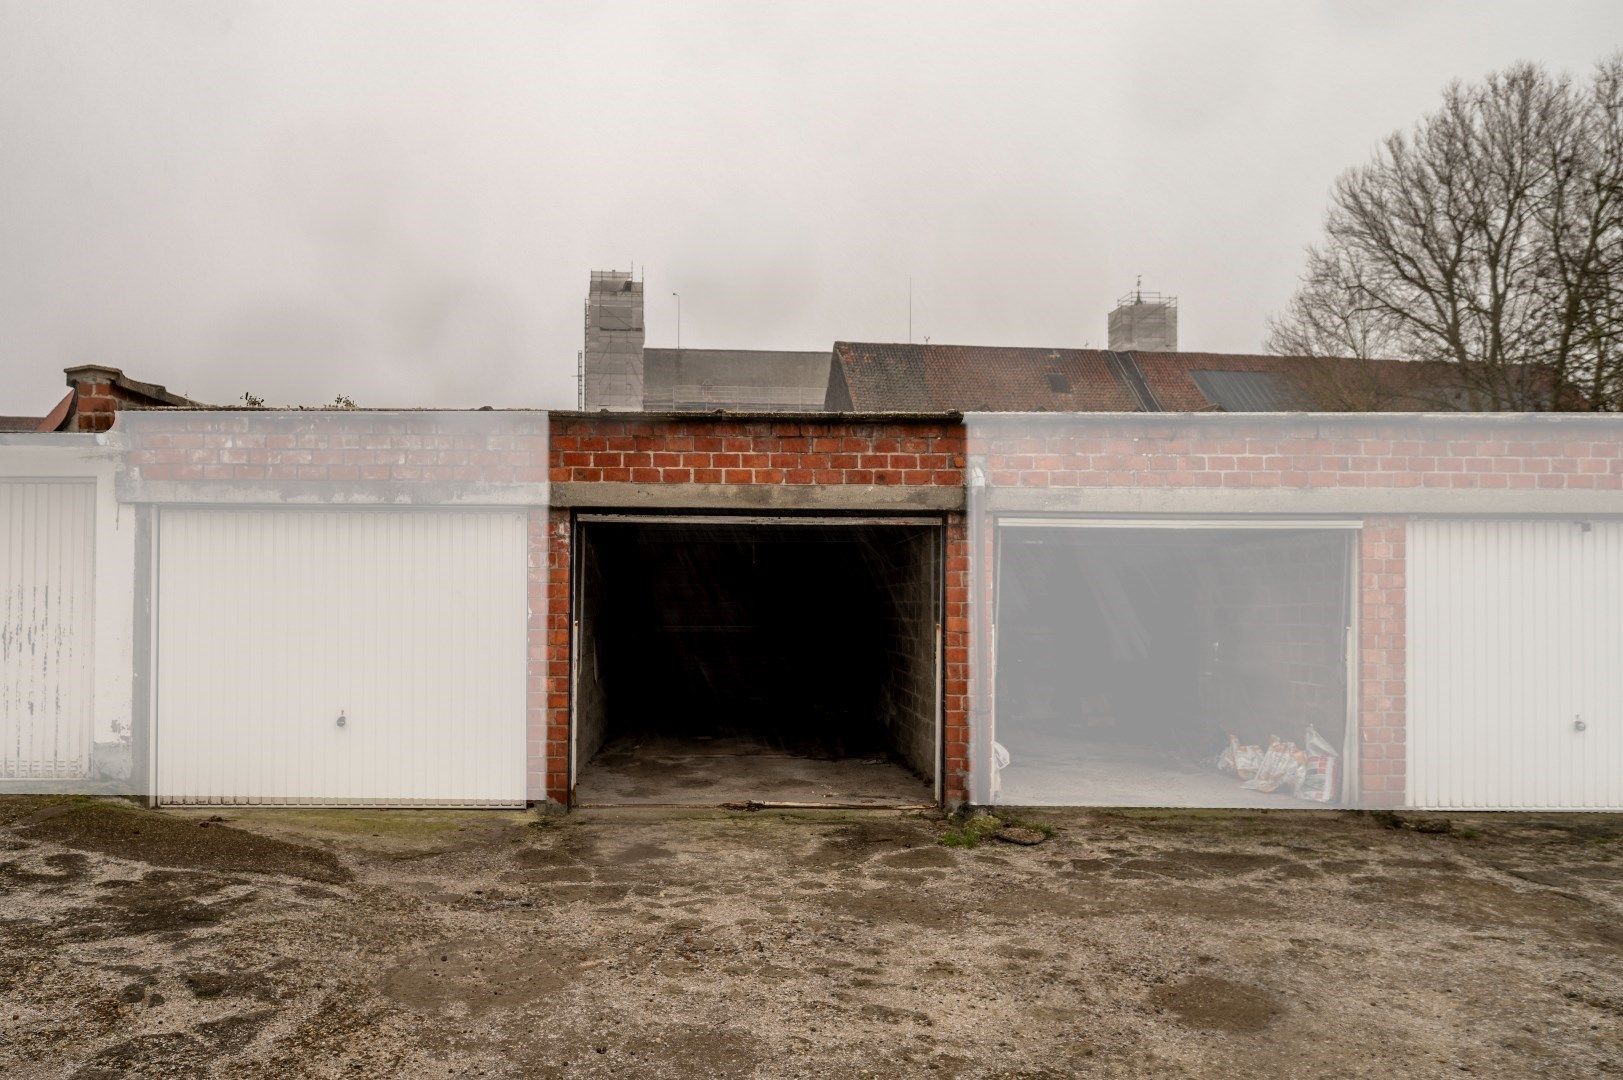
<point x="98" y="392"/>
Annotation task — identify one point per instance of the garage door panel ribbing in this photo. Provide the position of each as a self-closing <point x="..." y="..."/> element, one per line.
<point x="1515" y="694"/>
<point x="274" y="624"/>
<point x="47" y="572"/>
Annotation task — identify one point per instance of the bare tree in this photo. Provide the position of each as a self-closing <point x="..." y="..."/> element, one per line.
<point x="1488" y="242"/>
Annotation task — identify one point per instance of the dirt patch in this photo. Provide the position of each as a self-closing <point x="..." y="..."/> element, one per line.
<point x="1212" y="1004"/>
<point x="910" y="908"/>
<point x="860" y="841"/>
<point x="158" y="839"/>
<point x="640" y="853"/>
<point x="163" y="901"/>
<point x="60" y="869"/>
<point x="672" y="1053"/>
<point x="1489" y="905"/>
<point x="173" y="1053"/>
<point x="475" y="976"/>
<point x="206" y="983"/>
<point x="1196" y="865"/>
<point x="921" y="857"/>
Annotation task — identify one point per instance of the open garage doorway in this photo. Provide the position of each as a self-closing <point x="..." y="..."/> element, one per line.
<point x="772" y="661"/>
<point x="1185" y="664"/>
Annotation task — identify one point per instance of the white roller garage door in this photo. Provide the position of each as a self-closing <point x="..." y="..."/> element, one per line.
<point x="342" y="657"/>
<point x="47" y="578"/>
<point x="1515" y="634"/>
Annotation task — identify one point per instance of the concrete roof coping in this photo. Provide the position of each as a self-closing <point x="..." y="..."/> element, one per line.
<point x="1329" y="419"/>
<point x="787" y="416"/>
<point x="320" y="410"/>
<point x="758" y="414"/>
<point x="58" y="438"/>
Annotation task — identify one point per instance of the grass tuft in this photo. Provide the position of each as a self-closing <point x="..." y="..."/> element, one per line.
<point x="966" y="829"/>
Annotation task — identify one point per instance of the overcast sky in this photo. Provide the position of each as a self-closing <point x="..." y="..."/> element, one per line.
<point x="402" y="202"/>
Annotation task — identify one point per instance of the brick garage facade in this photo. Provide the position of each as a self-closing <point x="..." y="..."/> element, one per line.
<point x="620" y="461"/>
<point x="1381" y="470"/>
<point x="358" y="458"/>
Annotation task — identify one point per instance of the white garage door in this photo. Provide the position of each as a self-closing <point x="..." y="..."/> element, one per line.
<point x="1515" y="634"/>
<point x="47" y="574"/>
<point x="347" y="657"/>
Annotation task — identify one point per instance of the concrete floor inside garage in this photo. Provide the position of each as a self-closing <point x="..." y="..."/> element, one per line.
<point x="775" y="662"/>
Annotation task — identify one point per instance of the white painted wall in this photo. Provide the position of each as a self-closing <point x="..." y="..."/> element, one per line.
<point x="1515" y="638"/>
<point x="271" y="623"/>
<point x="85" y="464"/>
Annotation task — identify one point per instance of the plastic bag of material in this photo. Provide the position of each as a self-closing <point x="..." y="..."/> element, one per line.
<point x="1282" y="765"/>
<point x="1242" y="761"/>
<point x="1000" y="761"/>
<point x="1320" y="768"/>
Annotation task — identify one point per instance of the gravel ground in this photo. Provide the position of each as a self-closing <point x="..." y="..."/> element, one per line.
<point x="422" y="943"/>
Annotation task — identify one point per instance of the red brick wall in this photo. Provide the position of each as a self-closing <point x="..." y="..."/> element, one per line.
<point x="1382" y="661"/>
<point x="1275" y="455"/>
<point x="1277" y="606"/>
<point x="94" y="404"/>
<point x="700" y="451"/>
<point x="551" y="725"/>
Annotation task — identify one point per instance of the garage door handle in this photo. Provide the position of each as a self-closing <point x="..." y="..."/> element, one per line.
<point x="341" y="720"/>
<point x="1578" y="724"/>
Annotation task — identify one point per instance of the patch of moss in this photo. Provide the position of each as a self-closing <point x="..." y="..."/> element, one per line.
<point x="966" y="829"/>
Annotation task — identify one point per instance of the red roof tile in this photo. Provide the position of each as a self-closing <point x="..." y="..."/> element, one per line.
<point x="871" y="377"/>
<point x="976" y="378"/>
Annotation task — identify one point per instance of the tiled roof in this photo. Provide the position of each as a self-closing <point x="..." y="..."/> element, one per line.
<point x="1325" y="383"/>
<point x="976" y="378"/>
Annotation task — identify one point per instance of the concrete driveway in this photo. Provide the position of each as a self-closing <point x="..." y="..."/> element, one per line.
<point x="710" y="943"/>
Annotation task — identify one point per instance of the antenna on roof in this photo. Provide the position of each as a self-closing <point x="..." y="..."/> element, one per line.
<point x="910" y="309"/>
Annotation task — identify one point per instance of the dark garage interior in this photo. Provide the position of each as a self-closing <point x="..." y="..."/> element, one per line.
<point x="1129" y="659"/>
<point x="775" y="662"/>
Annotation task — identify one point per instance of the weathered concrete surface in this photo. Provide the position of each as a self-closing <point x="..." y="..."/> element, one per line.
<point x="363" y="943"/>
<point x="882" y="497"/>
<point x="1289" y="502"/>
<point x="714" y="772"/>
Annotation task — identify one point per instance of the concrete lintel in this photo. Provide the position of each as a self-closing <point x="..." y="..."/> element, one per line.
<point x="328" y="493"/>
<point x="759" y="496"/>
<point x="1293" y="501"/>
